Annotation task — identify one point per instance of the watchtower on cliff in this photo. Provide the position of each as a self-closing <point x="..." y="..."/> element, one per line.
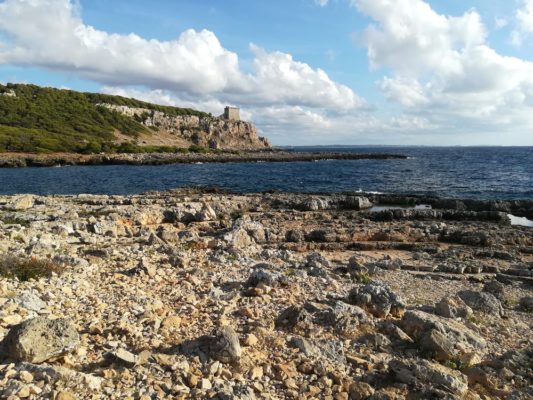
<point x="232" y="113"/>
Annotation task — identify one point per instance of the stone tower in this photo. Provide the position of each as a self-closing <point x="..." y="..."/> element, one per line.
<point x="232" y="113"/>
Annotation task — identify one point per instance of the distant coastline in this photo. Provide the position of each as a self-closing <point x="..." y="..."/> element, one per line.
<point x="13" y="160"/>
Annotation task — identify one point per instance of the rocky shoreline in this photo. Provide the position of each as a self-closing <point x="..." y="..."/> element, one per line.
<point x="192" y="294"/>
<point x="12" y="160"/>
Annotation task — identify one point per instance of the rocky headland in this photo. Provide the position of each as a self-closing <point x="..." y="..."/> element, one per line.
<point x="211" y="295"/>
<point x="185" y="130"/>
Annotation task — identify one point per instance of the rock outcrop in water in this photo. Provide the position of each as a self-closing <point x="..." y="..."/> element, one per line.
<point x="206" y="295"/>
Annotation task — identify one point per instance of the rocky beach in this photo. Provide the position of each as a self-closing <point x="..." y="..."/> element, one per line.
<point x="202" y="294"/>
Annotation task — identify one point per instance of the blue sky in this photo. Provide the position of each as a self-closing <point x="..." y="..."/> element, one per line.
<point x="450" y="72"/>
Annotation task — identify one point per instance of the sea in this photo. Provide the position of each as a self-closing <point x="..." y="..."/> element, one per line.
<point x="451" y="172"/>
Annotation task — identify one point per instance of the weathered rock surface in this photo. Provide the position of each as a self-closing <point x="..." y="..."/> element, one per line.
<point x="190" y="129"/>
<point x="453" y="307"/>
<point x="482" y="301"/>
<point x="312" y="287"/>
<point x="378" y="299"/>
<point x="443" y="338"/>
<point x="429" y="378"/>
<point x="40" y="339"/>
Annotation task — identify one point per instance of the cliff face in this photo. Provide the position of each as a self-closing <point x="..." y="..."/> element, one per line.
<point x="211" y="132"/>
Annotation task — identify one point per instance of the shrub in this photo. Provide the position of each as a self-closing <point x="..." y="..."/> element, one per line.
<point x="24" y="269"/>
<point x="198" y="149"/>
<point x="43" y="119"/>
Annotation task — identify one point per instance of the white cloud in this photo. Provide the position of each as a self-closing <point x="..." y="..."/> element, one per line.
<point x="443" y="69"/>
<point x="406" y="91"/>
<point x="52" y="34"/>
<point x="278" y="76"/>
<point x="524" y="22"/>
<point x="415" y="39"/>
<point x="294" y="124"/>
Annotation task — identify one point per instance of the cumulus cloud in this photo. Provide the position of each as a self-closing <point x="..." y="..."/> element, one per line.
<point x="278" y="76"/>
<point x="524" y="22"/>
<point x="321" y="3"/>
<point x="443" y="69"/>
<point x="194" y="64"/>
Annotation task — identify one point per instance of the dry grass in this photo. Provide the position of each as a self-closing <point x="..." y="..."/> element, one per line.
<point x="24" y="269"/>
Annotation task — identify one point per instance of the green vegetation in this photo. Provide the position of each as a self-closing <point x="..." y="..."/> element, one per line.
<point x="25" y="269"/>
<point x="12" y="220"/>
<point x="45" y="120"/>
<point x="362" y="277"/>
<point x="457" y="364"/>
<point x="133" y="148"/>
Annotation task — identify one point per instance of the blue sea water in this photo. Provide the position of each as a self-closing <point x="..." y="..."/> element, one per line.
<point x="456" y="172"/>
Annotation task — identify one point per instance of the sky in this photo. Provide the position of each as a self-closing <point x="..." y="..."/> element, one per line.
<point x="306" y="72"/>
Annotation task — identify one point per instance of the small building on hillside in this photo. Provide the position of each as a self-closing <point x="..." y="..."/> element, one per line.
<point x="232" y="113"/>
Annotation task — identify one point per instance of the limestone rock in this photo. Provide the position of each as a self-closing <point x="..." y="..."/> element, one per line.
<point x="342" y="317"/>
<point x="316" y="264"/>
<point x="360" y="391"/>
<point x="206" y="214"/>
<point x="40" y="339"/>
<point x="453" y="307"/>
<point x="427" y="376"/>
<point x="225" y="346"/>
<point x="443" y="338"/>
<point x="497" y="289"/>
<point x="124" y="357"/>
<point x="378" y="299"/>
<point x="482" y="301"/>
<point x="204" y="131"/>
<point x="357" y="203"/>
<point x="294" y="318"/>
<point x="262" y="275"/>
<point x="30" y="301"/>
<point x="21" y="203"/>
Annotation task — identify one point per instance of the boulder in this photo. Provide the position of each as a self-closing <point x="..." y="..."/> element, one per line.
<point x="40" y="339"/>
<point x="21" y="203"/>
<point x="245" y="233"/>
<point x="313" y="204"/>
<point x="316" y="264"/>
<point x="357" y="203"/>
<point x="30" y="301"/>
<point x="206" y="214"/>
<point x="360" y="391"/>
<point x="453" y="307"/>
<point x="262" y="275"/>
<point x="304" y="345"/>
<point x="378" y="299"/>
<point x="497" y="289"/>
<point x="295" y="236"/>
<point x="482" y="301"/>
<point x="124" y="357"/>
<point x="429" y="377"/>
<point x="237" y="392"/>
<point x="442" y="338"/>
<point x="294" y="317"/>
<point x="224" y="346"/>
<point x="344" y="318"/>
